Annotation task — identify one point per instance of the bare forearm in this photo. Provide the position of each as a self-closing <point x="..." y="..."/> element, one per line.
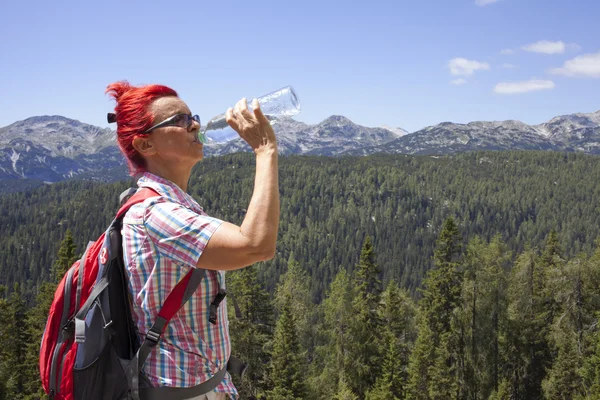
<point x="261" y="223"/>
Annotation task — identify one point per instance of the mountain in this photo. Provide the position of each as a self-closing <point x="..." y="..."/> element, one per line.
<point x="575" y="132"/>
<point x="333" y="136"/>
<point x="55" y="148"/>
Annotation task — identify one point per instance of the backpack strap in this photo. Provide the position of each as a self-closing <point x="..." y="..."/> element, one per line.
<point x="182" y="292"/>
<point x="134" y="198"/>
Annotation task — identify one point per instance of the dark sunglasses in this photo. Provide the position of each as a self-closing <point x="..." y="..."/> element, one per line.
<point x="180" y="120"/>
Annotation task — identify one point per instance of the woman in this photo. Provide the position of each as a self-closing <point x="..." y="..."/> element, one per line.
<point x="164" y="237"/>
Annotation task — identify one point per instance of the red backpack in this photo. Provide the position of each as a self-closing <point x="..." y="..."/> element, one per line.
<point x="90" y="348"/>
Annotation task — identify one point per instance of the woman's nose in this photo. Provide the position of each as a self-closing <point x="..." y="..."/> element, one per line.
<point x="195" y="125"/>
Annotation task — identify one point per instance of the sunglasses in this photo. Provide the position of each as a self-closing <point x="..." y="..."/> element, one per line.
<point x="182" y="121"/>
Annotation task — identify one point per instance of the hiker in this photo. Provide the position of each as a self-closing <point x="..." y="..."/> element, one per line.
<point x="165" y="237"/>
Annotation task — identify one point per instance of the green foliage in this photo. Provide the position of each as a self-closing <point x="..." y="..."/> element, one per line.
<point x="365" y="346"/>
<point x="288" y="364"/>
<point x="15" y="334"/>
<point x="251" y="331"/>
<point x="512" y="315"/>
<point x="329" y="205"/>
<point x="333" y="362"/>
<point x="433" y="372"/>
<point x="483" y="315"/>
<point x="295" y="285"/>
<point x="563" y="380"/>
<point x="397" y="315"/>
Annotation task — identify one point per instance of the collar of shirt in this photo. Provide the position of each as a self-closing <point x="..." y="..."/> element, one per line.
<point x="168" y="189"/>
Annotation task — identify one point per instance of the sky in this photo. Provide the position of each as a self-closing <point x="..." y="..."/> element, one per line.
<point x="406" y="64"/>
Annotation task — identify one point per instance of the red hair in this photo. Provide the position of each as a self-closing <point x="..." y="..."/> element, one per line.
<point x="134" y="116"/>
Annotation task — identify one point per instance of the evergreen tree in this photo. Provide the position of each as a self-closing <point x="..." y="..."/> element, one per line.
<point x="5" y="343"/>
<point x="66" y="258"/>
<point x="332" y="364"/>
<point x="344" y="392"/>
<point x="18" y="339"/>
<point x="442" y="373"/>
<point x="521" y="330"/>
<point x="483" y="316"/>
<point x="591" y="372"/>
<point x="443" y="283"/>
<point x="531" y="307"/>
<point x="251" y="330"/>
<point x="397" y="313"/>
<point x="390" y="384"/>
<point x="35" y="324"/>
<point x="288" y="364"/>
<point x="422" y="356"/>
<point x="367" y="342"/>
<point x="36" y="317"/>
<point x="564" y="380"/>
<point x="295" y="284"/>
<point x="433" y="365"/>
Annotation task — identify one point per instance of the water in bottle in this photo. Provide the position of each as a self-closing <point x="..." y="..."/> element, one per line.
<point x="278" y="104"/>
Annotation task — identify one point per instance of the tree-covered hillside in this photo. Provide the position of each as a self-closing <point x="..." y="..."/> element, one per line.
<point x="329" y="205"/>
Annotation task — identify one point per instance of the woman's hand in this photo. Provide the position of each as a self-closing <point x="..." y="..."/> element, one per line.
<point x="233" y="247"/>
<point x="252" y="126"/>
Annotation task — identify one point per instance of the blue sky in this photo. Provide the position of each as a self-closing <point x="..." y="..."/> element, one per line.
<point x="400" y="63"/>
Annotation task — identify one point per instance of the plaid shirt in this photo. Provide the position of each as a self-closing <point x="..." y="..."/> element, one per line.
<point x="163" y="238"/>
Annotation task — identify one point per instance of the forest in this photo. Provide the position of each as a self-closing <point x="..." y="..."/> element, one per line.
<point x="471" y="276"/>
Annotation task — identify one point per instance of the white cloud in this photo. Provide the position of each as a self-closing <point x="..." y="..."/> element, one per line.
<point x="485" y="2"/>
<point x="523" y="87"/>
<point x="587" y="65"/>
<point x="459" y="81"/>
<point x="546" y="47"/>
<point x="507" y="52"/>
<point x="509" y="66"/>
<point x="464" y="67"/>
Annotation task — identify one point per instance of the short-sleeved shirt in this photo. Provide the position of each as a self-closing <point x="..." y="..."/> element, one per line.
<point x="163" y="238"/>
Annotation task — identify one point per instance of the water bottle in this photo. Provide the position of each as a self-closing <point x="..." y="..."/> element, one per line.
<point x="280" y="103"/>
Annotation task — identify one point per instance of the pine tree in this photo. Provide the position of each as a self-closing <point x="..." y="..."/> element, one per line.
<point x="66" y="257"/>
<point x="563" y="380"/>
<point x="521" y="330"/>
<point x="332" y="363"/>
<point x="591" y="372"/>
<point x="366" y="325"/>
<point x="287" y="360"/>
<point x="5" y="343"/>
<point x="368" y="282"/>
<point x="435" y="353"/>
<point x="397" y="313"/>
<point x="443" y="283"/>
<point x="36" y="322"/>
<point x="295" y="284"/>
<point x="344" y="392"/>
<point x="390" y="384"/>
<point x="17" y="333"/>
<point x="442" y="372"/>
<point x="531" y="311"/>
<point x="251" y="331"/>
<point x="483" y="317"/>
<point x="586" y="317"/>
<point x="37" y="316"/>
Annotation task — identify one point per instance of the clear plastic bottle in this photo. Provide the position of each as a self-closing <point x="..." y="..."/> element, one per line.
<point x="280" y="103"/>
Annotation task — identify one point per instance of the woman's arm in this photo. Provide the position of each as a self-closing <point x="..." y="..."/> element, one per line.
<point x="233" y="247"/>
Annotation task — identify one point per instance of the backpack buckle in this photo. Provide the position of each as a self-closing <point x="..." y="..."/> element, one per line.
<point x="215" y="305"/>
<point x="154" y="334"/>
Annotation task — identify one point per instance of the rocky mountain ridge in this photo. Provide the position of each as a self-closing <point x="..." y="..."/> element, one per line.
<point x="54" y="148"/>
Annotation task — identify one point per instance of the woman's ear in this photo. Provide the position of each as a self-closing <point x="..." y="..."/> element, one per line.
<point x="143" y="145"/>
